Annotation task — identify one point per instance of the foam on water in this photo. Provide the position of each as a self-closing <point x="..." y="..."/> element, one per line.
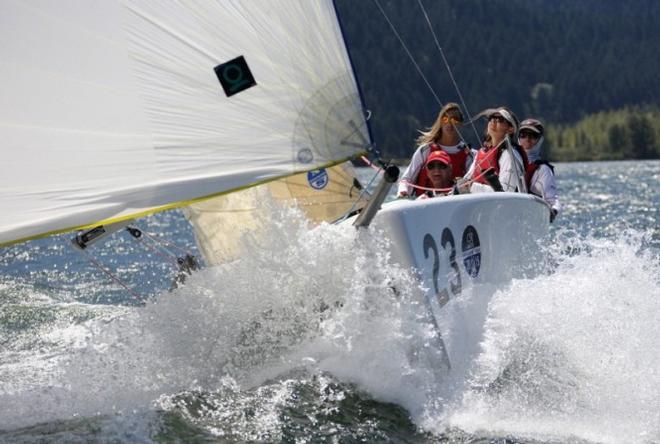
<point x="570" y="354"/>
<point x="320" y="299"/>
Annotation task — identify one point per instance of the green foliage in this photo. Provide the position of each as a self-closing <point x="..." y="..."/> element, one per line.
<point x="557" y="60"/>
<point x="628" y="133"/>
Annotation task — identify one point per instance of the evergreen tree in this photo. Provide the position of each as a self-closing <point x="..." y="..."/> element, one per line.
<point x="557" y="60"/>
<point x="642" y="137"/>
<point x="617" y="138"/>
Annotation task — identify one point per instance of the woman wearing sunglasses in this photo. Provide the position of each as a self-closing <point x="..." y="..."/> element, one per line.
<point x="508" y="165"/>
<point x="443" y="136"/>
<point x="539" y="174"/>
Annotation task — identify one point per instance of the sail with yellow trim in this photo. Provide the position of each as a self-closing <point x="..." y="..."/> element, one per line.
<point x="322" y="195"/>
<point x="118" y="109"/>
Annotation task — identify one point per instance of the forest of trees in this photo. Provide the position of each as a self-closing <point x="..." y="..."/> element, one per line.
<point x="629" y="133"/>
<point x="569" y="63"/>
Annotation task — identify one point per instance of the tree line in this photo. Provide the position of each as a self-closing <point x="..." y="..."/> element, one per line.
<point x="628" y="133"/>
<point x="557" y="60"/>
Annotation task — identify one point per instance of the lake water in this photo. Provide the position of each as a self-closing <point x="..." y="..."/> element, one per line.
<point x="303" y="341"/>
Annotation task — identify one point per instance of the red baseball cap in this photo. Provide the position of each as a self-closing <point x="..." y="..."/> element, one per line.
<point x="440" y="156"/>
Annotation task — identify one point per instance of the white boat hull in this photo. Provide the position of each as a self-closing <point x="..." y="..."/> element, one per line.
<point x="492" y="235"/>
<point x="457" y="242"/>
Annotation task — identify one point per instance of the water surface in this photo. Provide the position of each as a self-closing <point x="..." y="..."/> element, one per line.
<point x="304" y="339"/>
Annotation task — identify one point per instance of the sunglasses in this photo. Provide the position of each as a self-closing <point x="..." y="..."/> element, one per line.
<point x="451" y="119"/>
<point x="437" y="165"/>
<point x="528" y="135"/>
<point x="498" y="119"/>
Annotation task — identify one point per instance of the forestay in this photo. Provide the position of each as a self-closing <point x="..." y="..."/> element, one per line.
<point x="117" y="109"/>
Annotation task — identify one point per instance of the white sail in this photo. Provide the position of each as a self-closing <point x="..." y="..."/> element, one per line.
<point x="115" y="109"/>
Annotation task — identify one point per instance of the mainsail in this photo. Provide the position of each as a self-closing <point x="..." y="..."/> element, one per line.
<point x="117" y="109"/>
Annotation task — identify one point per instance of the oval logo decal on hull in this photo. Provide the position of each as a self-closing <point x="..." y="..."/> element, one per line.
<point x="471" y="251"/>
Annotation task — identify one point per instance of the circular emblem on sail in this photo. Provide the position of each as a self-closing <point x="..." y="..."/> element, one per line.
<point x="471" y="251"/>
<point x="318" y="179"/>
<point x="331" y="123"/>
<point x="305" y="155"/>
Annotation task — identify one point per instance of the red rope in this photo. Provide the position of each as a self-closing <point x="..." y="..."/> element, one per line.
<point x="368" y="162"/>
<point x="440" y="190"/>
<point x="437" y="190"/>
<point x="112" y="276"/>
<point x="163" y="243"/>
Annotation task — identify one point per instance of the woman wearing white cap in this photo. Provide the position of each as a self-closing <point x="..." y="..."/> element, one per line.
<point x="508" y="164"/>
<point x="540" y="174"/>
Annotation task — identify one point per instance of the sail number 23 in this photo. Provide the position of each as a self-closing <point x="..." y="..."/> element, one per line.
<point x="471" y="254"/>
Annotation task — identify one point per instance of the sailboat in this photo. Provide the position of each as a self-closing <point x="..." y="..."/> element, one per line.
<point x="115" y="110"/>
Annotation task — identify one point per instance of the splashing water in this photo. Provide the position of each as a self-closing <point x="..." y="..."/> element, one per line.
<point x="314" y="332"/>
<point x="324" y="300"/>
<point x="572" y="354"/>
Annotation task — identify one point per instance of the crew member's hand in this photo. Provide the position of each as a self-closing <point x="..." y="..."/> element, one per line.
<point x="402" y="195"/>
<point x="463" y="186"/>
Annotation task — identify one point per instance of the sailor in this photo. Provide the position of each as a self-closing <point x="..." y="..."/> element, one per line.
<point x="508" y="164"/>
<point x="442" y="136"/>
<point x="438" y="169"/>
<point x="539" y="174"/>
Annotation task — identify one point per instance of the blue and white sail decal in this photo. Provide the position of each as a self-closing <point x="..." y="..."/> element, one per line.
<point x="318" y="179"/>
<point x="111" y="110"/>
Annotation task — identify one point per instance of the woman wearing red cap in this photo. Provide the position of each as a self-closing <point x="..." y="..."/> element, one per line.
<point x="438" y="168"/>
<point x="539" y="174"/>
<point x="508" y="164"/>
<point x="443" y="136"/>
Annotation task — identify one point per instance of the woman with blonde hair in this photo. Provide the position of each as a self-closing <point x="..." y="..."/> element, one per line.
<point x="444" y="136"/>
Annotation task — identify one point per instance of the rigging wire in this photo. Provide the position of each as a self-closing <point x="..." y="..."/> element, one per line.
<point x="471" y="119"/>
<point x="363" y="191"/>
<point x="155" y="246"/>
<point x="451" y="74"/>
<point x="428" y="84"/>
<point x="419" y="70"/>
<point x="380" y="170"/>
<point x="159" y="245"/>
<point x="405" y="48"/>
<point x="111" y="275"/>
<point x="186" y="264"/>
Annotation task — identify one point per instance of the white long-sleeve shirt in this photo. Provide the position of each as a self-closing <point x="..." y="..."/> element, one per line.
<point x="543" y="185"/>
<point x="419" y="159"/>
<point x="543" y="180"/>
<point x="511" y="170"/>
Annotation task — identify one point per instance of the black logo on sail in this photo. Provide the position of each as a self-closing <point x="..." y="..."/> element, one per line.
<point x="234" y="76"/>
